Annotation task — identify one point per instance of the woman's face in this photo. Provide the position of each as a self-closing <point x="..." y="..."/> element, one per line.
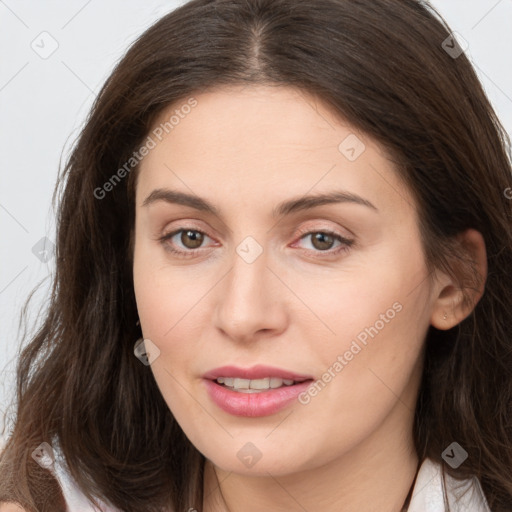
<point x="332" y="290"/>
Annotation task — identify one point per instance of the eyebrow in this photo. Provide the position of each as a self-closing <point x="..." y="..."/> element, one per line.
<point x="285" y="208"/>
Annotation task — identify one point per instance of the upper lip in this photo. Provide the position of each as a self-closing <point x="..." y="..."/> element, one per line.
<point x="255" y="372"/>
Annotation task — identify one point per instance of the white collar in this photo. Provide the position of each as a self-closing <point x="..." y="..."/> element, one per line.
<point x="463" y="495"/>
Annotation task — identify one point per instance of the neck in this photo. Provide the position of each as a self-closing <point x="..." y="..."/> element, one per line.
<point x="376" y="474"/>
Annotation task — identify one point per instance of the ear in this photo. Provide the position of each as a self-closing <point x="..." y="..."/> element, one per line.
<point x="455" y="299"/>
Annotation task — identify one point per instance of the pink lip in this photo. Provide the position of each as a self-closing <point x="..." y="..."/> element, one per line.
<point x="263" y="403"/>
<point x="256" y="372"/>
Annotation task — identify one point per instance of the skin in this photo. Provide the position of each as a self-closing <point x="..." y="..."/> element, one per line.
<point x="296" y="306"/>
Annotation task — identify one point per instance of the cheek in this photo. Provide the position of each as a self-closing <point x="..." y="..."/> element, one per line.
<point x="163" y="294"/>
<point x="375" y="300"/>
<point x="374" y="316"/>
<point x="165" y="302"/>
<point x="172" y="306"/>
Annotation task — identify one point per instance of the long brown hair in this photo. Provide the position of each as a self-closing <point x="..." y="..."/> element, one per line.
<point x="381" y="65"/>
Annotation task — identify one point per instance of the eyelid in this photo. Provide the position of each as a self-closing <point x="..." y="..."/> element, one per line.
<point x="317" y="225"/>
<point x="182" y="225"/>
<point x="312" y="227"/>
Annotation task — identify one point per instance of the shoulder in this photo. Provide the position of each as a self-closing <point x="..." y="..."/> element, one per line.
<point x="430" y="486"/>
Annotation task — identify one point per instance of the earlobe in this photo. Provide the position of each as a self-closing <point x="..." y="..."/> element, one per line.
<point x="456" y="299"/>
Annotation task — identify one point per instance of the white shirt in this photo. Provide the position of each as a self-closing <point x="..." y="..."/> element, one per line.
<point x="427" y="494"/>
<point x="463" y="496"/>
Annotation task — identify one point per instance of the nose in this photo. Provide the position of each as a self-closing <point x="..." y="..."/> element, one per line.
<point x="251" y="301"/>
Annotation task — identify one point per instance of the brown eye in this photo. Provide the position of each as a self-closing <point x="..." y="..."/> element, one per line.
<point x="325" y="241"/>
<point x="191" y="239"/>
<point x="184" y="242"/>
<point x="322" y="241"/>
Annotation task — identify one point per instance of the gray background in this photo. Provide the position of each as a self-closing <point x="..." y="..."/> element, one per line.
<point x="44" y="100"/>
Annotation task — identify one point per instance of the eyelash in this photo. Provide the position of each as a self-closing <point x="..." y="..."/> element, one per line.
<point x="345" y="242"/>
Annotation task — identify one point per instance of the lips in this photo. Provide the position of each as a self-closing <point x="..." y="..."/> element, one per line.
<point x="254" y="373"/>
<point x="258" y="402"/>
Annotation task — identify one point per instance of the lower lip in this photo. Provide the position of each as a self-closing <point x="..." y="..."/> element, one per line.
<point x="263" y="403"/>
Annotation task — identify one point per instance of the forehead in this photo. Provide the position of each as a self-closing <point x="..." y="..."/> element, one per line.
<point x="242" y="141"/>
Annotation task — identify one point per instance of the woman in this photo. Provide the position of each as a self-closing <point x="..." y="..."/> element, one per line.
<point x="283" y="275"/>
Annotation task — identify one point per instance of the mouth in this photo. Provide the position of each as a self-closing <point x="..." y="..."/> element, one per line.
<point x="257" y="391"/>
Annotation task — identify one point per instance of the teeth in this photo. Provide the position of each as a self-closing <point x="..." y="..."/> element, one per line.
<point x="241" y="383"/>
<point x="247" y="385"/>
<point x="275" y="382"/>
<point x="259" y="383"/>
